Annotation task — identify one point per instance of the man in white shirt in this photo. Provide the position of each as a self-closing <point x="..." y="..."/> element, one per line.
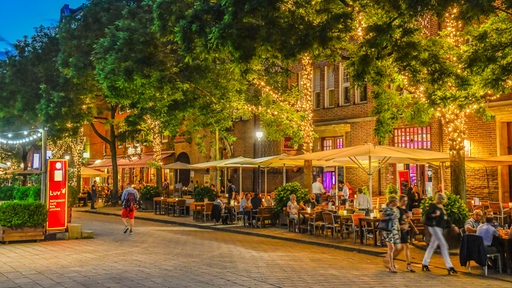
<point x="343" y="192"/>
<point x="362" y="202"/>
<point x="318" y="189"/>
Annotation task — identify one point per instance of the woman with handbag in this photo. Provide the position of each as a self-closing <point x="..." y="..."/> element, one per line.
<point x="436" y="220"/>
<point x="391" y="234"/>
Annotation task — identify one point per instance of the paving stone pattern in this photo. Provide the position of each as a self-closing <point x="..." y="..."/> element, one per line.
<point x="168" y="255"/>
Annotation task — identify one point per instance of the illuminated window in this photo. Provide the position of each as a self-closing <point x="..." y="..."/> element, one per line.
<point x="329" y="91"/>
<point x="317" y="95"/>
<point x="412" y="137"/>
<point x="332" y="143"/>
<point x="361" y="94"/>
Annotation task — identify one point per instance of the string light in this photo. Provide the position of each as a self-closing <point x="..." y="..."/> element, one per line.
<point x="27" y="136"/>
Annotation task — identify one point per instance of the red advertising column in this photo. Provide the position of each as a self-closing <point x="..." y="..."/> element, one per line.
<point x="57" y="191"/>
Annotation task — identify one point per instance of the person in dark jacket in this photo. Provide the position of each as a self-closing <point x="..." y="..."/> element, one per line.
<point x="436" y="220"/>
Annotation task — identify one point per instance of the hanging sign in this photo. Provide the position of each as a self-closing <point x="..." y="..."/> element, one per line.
<point x="57" y="193"/>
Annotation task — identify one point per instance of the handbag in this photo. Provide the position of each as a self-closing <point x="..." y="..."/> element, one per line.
<point x="385" y="225"/>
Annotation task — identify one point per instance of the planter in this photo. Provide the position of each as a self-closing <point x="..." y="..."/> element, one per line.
<point x="21" y="234"/>
<point x="147" y="205"/>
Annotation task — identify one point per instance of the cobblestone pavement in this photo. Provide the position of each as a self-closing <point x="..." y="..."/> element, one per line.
<point x="167" y="255"/>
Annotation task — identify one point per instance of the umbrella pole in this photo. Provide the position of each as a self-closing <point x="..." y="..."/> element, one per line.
<point x="336" y="184"/>
<point x="265" y="182"/>
<point x="284" y="174"/>
<point x="240" y="184"/>
<point x="371" y="172"/>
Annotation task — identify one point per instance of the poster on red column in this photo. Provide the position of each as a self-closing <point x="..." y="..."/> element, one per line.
<point x="57" y="193"/>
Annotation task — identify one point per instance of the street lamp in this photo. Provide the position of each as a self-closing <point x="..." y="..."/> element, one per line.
<point x="259" y="135"/>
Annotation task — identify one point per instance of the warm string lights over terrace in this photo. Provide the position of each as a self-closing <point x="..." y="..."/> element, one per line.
<point x="20" y="137"/>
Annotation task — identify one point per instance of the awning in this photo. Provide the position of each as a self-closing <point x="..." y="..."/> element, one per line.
<point x="89" y="172"/>
<point x="132" y="162"/>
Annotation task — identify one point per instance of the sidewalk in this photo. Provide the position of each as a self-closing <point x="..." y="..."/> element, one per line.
<point x="282" y="233"/>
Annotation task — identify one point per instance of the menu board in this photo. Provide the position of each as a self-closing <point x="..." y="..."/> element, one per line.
<point x="57" y="193"/>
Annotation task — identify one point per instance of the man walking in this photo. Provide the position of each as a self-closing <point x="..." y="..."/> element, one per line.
<point x="129" y="199"/>
<point x="94" y="193"/>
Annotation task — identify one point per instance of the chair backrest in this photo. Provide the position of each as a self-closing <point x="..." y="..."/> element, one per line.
<point x="416" y="211"/>
<point x="208" y="207"/>
<point x="495" y="207"/>
<point x="328" y="217"/>
<point x="181" y="202"/>
<point x="318" y="216"/>
<point x="355" y="218"/>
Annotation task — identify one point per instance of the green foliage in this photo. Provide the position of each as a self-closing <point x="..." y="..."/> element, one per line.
<point x="149" y="192"/>
<point x="7" y="193"/>
<point x="72" y="196"/>
<point x="391" y="190"/>
<point x="455" y="207"/>
<point x="17" y="214"/>
<point x="30" y="193"/>
<point x="283" y="195"/>
<point x="203" y="192"/>
<point x="366" y="191"/>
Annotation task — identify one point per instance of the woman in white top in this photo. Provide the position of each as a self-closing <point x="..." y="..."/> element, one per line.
<point x="293" y="208"/>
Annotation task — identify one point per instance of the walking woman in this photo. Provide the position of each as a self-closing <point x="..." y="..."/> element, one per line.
<point x="436" y="220"/>
<point x="392" y="237"/>
<point x="405" y="229"/>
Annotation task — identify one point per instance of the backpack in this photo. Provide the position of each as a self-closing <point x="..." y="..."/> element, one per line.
<point x="130" y="202"/>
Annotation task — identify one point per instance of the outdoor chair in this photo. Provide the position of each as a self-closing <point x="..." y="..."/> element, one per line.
<point x="499" y="212"/>
<point x="181" y="208"/>
<point x="355" y="225"/>
<point x="472" y="248"/>
<point x="263" y="216"/>
<point x="330" y="224"/>
<point x="208" y="207"/>
<point x="239" y="214"/>
<point x="315" y="221"/>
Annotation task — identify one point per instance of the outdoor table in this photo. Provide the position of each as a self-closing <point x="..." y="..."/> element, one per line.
<point x="158" y="204"/>
<point x="306" y="215"/>
<point x="371" y="222"/>
<point x="197" y="208"/>
<point x="171" y="205"/>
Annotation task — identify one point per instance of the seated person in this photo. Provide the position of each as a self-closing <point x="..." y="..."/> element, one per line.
<point x="256" y="202"/>
<point x="218" y="207"/>
<point x="487" y="232"/>
<point x="472" y="223"/>
<point x="268" y="201"/>
<point x="293" y="209"/>
<point x="489" y="214"/>
<point x="309" y="202"/>
<point x="246" y="206"/>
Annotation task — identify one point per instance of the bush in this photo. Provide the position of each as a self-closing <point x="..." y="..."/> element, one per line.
<point x="391" y="190"/>
<point x="456" y="209"/>
<point x="204" y="192"/>
<point x="283" y="195"/>
<point x="31" y="193"/>
<point x="149" y="192"/>
<point x="72" y="196"/>
<point x="17" y="214"/>
<point x="7" y="193"/>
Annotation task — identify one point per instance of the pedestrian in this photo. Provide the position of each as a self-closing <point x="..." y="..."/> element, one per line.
<point x="436" y="220"/>
<point x="392" y="237"/>
<point x="94" y="193"/>
<point x="405" y="229"/>
<point x="129" y="198"/>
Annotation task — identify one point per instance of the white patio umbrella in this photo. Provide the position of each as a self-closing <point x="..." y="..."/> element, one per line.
<point x="2" y="165"/>
<point x="177" y="166"/>
<point x="366" y="156"/>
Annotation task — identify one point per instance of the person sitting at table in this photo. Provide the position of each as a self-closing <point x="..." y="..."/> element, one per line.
<point x="256" y="203"/>
<point x="309" y="203"/>
<point x="246" y="207"/>
<point x="268" y="201"/>
<point x="293" y="210"/>
<point x="472" y="223"/>
<point x="362" y="202"/>
<point x="218" y="207"/>
<point x="489" y="214"/>
<point x="333" y="190"/>
<point x="488" y="232"/>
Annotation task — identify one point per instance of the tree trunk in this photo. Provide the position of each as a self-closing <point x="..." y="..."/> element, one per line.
<point x="113" y="152"/>
<point x="458" y="174"/>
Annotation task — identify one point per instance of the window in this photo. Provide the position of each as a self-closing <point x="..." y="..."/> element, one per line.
<point x="344" y="86"/>
<point x="362" y="94"/>
<point x="412" y="137"/>
<point x="317" y="96"/>
<point x="329" y="91"/>
<point x="332" y="143"/>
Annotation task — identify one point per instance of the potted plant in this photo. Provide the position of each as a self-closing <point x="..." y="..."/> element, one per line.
<point x="22" y="220"/>
<point x="201" y="193"/>
<point x="457" y="213"/>
<point x="391" y="190"/>
<point x="72" y="200"/>
<point x="147" y="194"/>
<point x="282" y="196"/>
